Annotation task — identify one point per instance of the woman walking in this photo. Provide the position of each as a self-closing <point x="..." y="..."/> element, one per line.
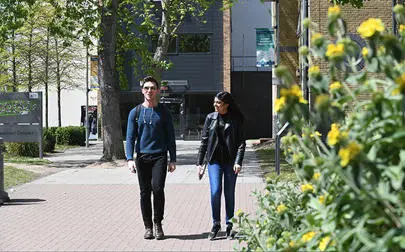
<point x="222" y="148"/>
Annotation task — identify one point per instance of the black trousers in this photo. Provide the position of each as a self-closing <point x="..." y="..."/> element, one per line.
<point x="152" y="170"/>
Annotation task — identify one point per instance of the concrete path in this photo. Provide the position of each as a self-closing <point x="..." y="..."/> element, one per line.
<point x="87" y="207"/>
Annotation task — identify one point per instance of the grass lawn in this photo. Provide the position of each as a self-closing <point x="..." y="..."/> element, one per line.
<point x="25" y="160"/>
<point x="267" y="161"/>
<point x="14" y="176"/>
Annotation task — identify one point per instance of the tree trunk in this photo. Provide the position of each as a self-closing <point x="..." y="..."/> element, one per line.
<point x="113" y="147"/>
<point x="163" y="42"/>
<point x="14" y="62"/>
<point x="30" y="60"/>
<point x="46" y="77"/>
<point x="58" y="84"/>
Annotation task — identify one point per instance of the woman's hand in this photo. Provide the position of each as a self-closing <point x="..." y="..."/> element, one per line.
<point x="237" y="168"/>
<point x="200" y="171"/>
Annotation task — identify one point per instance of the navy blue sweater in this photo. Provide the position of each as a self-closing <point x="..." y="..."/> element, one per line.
<point x="155" y="132"/>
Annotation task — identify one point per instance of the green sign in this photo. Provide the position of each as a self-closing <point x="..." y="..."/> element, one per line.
<point x="264" y="47"/>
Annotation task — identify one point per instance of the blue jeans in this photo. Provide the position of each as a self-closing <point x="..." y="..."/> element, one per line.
<point x="216" y="171"/>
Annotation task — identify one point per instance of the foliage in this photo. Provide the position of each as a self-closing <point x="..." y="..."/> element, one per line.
<point x="49" y="140"/>
<point x="22" y="149"/>
<point x="268" y="162"/>
<point x="161" y="19"/>
<point x="14" y="176"/>
<point x="71" y="135"/>
<point x="349" y="153"/>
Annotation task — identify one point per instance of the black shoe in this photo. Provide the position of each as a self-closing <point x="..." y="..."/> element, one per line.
<point x="214" y="231"/>
<point x="148" y="233"/>
<point x="230" y="234"/>
<point x="159" y="231"/>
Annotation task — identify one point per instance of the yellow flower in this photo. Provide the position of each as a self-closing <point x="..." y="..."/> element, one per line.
<point x="324" y="243"/>
<point x="239" y="213"/>
<point x="402" y="28"/>
<point x="348" y="153"/>
<point x="307" y="188"/>
<point x="316" y="176"/>
<point x="335" y="86"/>
<point x="316" y="36"/>
<point x="315" y="134"/>
<point x="334" y="11"/>
<point x="381" y="50"/>
<point x="400" y="81"/>
<point x="322" y="199"/>
<point x="334" y="135"/>
<point x="293" y="92"/>
<point x="369" y="27"/>
<point x="292" y="244"/>
<point x="335" y="51"/>
<point x="322" y="101"/>
<point x="296" y="91"/>
<point x="279" y="103"/>
<point x="281" y="208"/>
<point x="317" y="39"/>
<point x="308" y="236"/>
<point x="364" y="52"/>
<point x="314" y="70"/>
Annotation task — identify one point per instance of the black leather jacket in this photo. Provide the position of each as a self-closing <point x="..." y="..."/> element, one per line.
<point x="234" y="139"/>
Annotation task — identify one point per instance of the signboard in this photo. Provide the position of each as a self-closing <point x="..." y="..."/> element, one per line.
<point x="264" y="47"/>
<point x="94" y="73"/>
<point x="21" y="116"/>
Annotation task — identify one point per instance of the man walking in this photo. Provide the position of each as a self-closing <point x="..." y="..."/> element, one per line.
<point x="150" y="124"/>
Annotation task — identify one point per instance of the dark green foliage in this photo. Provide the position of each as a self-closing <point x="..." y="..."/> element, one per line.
<point x="49" y="140"/>
<point x="71" y="135"/>
<point x="22" y="149"/>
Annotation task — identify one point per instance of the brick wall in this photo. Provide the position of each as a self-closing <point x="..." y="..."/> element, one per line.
<point x="352" y="16"/>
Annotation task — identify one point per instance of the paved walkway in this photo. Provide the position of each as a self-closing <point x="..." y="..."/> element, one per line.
<point x="87" y="207"/>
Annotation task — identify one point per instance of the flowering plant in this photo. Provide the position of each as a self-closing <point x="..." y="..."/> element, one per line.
<point x="349" y="152"/>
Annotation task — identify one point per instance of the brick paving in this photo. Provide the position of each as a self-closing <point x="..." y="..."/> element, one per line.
<point x="81" y="209"/>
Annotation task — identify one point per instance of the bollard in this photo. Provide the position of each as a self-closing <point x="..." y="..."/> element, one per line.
<point x="3" y="194"/>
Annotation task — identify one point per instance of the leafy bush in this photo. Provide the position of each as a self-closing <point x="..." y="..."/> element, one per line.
<point x="22" y="149"/>
<point x="49" y="140"/>
<point x="71" y="135"/>
<point x="348" y="153"/>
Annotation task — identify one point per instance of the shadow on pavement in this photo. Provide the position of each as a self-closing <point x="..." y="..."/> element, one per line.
<point x="188" y="237"/>
<point x="72" y="163"/>
<point x="17" y="202"/>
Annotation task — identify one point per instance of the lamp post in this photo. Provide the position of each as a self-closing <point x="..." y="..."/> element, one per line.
<point x="275" y="82"/>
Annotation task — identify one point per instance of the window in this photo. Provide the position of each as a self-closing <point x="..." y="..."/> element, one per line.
<point x="172" y="44"/>
<point x="194" y="43"/>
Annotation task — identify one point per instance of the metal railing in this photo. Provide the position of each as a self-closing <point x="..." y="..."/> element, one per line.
<point x="278" y="138"/>
<point x="3" y="195"/>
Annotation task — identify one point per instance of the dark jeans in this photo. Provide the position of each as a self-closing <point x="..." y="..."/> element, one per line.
<point x="152" y="170"/>
<point x="216" y="172"/>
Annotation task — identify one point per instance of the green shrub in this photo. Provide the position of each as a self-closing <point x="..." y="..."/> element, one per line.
<point x="22" y="149"/>
<point x="71" y="135"/>
<point x="352" y="171"/>
<point x="49" y="140"/>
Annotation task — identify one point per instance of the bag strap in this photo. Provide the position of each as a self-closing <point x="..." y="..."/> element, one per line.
<point x="137" y="113"/>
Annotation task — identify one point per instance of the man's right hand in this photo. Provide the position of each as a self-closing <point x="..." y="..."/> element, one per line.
<point x="132" y="166"/>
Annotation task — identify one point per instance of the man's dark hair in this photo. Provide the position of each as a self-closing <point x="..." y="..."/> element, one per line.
<point x="150" y="79"/>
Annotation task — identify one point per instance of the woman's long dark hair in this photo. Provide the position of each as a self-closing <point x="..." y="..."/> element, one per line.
<point x="233" y="109"/>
